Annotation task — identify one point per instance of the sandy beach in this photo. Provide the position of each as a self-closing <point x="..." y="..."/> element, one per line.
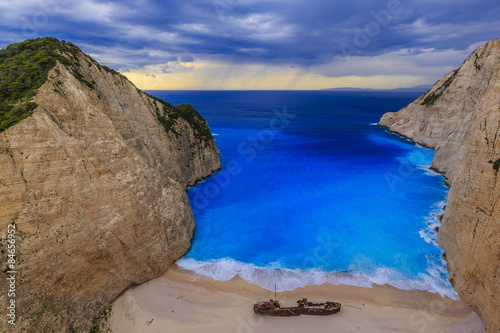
<point x="182" y="302"/>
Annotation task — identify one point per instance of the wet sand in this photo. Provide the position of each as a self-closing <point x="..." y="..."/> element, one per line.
<point x="182" y="302"/>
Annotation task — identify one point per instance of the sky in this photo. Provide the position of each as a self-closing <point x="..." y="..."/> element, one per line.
<point x="263" y="45"/>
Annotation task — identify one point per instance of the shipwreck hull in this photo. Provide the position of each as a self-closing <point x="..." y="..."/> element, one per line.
<point x="274" y="308"/>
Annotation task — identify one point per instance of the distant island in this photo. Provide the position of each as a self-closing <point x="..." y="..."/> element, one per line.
<point x="422" y="88"/>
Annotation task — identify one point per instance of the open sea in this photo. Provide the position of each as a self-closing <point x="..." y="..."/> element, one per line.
<point x="311" y="190"/>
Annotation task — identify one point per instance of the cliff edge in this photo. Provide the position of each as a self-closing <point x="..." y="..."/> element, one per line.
<point x="459" y="117"/>
<point x="93" y="177"/>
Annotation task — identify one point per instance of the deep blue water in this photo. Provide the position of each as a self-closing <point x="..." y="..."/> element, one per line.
<point x="311" y="190"/>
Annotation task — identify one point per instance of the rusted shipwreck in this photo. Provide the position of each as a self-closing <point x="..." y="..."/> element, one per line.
<point x="274" y="308"/>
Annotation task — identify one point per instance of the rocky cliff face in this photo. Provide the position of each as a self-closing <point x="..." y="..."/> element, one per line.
<point x="95" y="182"/>
<point x="460" y="118"/>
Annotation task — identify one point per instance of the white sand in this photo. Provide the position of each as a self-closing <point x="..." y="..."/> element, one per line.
<point x="181" y="302"/>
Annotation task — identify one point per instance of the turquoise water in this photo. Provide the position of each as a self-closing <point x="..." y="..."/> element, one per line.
<point x="312" y="191"/>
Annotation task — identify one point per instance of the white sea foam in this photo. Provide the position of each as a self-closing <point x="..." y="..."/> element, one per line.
<point x="374" y="124"/>
<point x="428" y="171"/>
<point x="422" y="162"/>
<point x="289" y="279"/>
<point x="214" y="134"/>
<point x="428" y="233"/>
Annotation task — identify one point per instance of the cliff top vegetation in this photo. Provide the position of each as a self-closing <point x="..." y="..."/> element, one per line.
<point x="23" y="69"/>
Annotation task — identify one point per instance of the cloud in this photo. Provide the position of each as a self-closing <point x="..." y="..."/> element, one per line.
<point x="92" y="11"/>
<point x="428" y="63"/>
<point x="260" y="27"/>
<point x="213" y="76"/>
<point x="381" y="37"/>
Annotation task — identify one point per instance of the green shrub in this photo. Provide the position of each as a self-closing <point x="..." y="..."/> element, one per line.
<point x="478" y="67"/>
<point x="430" y="99"/>
<point x="24" y="68"/>
<point x="197" y="122"/>
<point x="170" y="115"/>
<point x="100" y="324"/>
<point x="496" y="165"/>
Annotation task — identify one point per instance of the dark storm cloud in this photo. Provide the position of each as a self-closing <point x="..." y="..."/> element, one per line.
<point x="300" y="33"/>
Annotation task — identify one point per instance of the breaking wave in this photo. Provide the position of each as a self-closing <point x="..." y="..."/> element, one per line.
<point x="288" y="279"/>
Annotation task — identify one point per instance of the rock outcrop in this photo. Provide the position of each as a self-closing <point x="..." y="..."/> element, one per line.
<point x="95" y="182"/>
<point x="459" y="117"/>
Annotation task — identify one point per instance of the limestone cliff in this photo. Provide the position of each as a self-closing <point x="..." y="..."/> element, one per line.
<point x="95" y="181"/>
<point x="459" y="117"/>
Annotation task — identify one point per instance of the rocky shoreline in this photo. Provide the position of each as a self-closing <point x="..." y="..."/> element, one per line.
<point x="459" y="118"/>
